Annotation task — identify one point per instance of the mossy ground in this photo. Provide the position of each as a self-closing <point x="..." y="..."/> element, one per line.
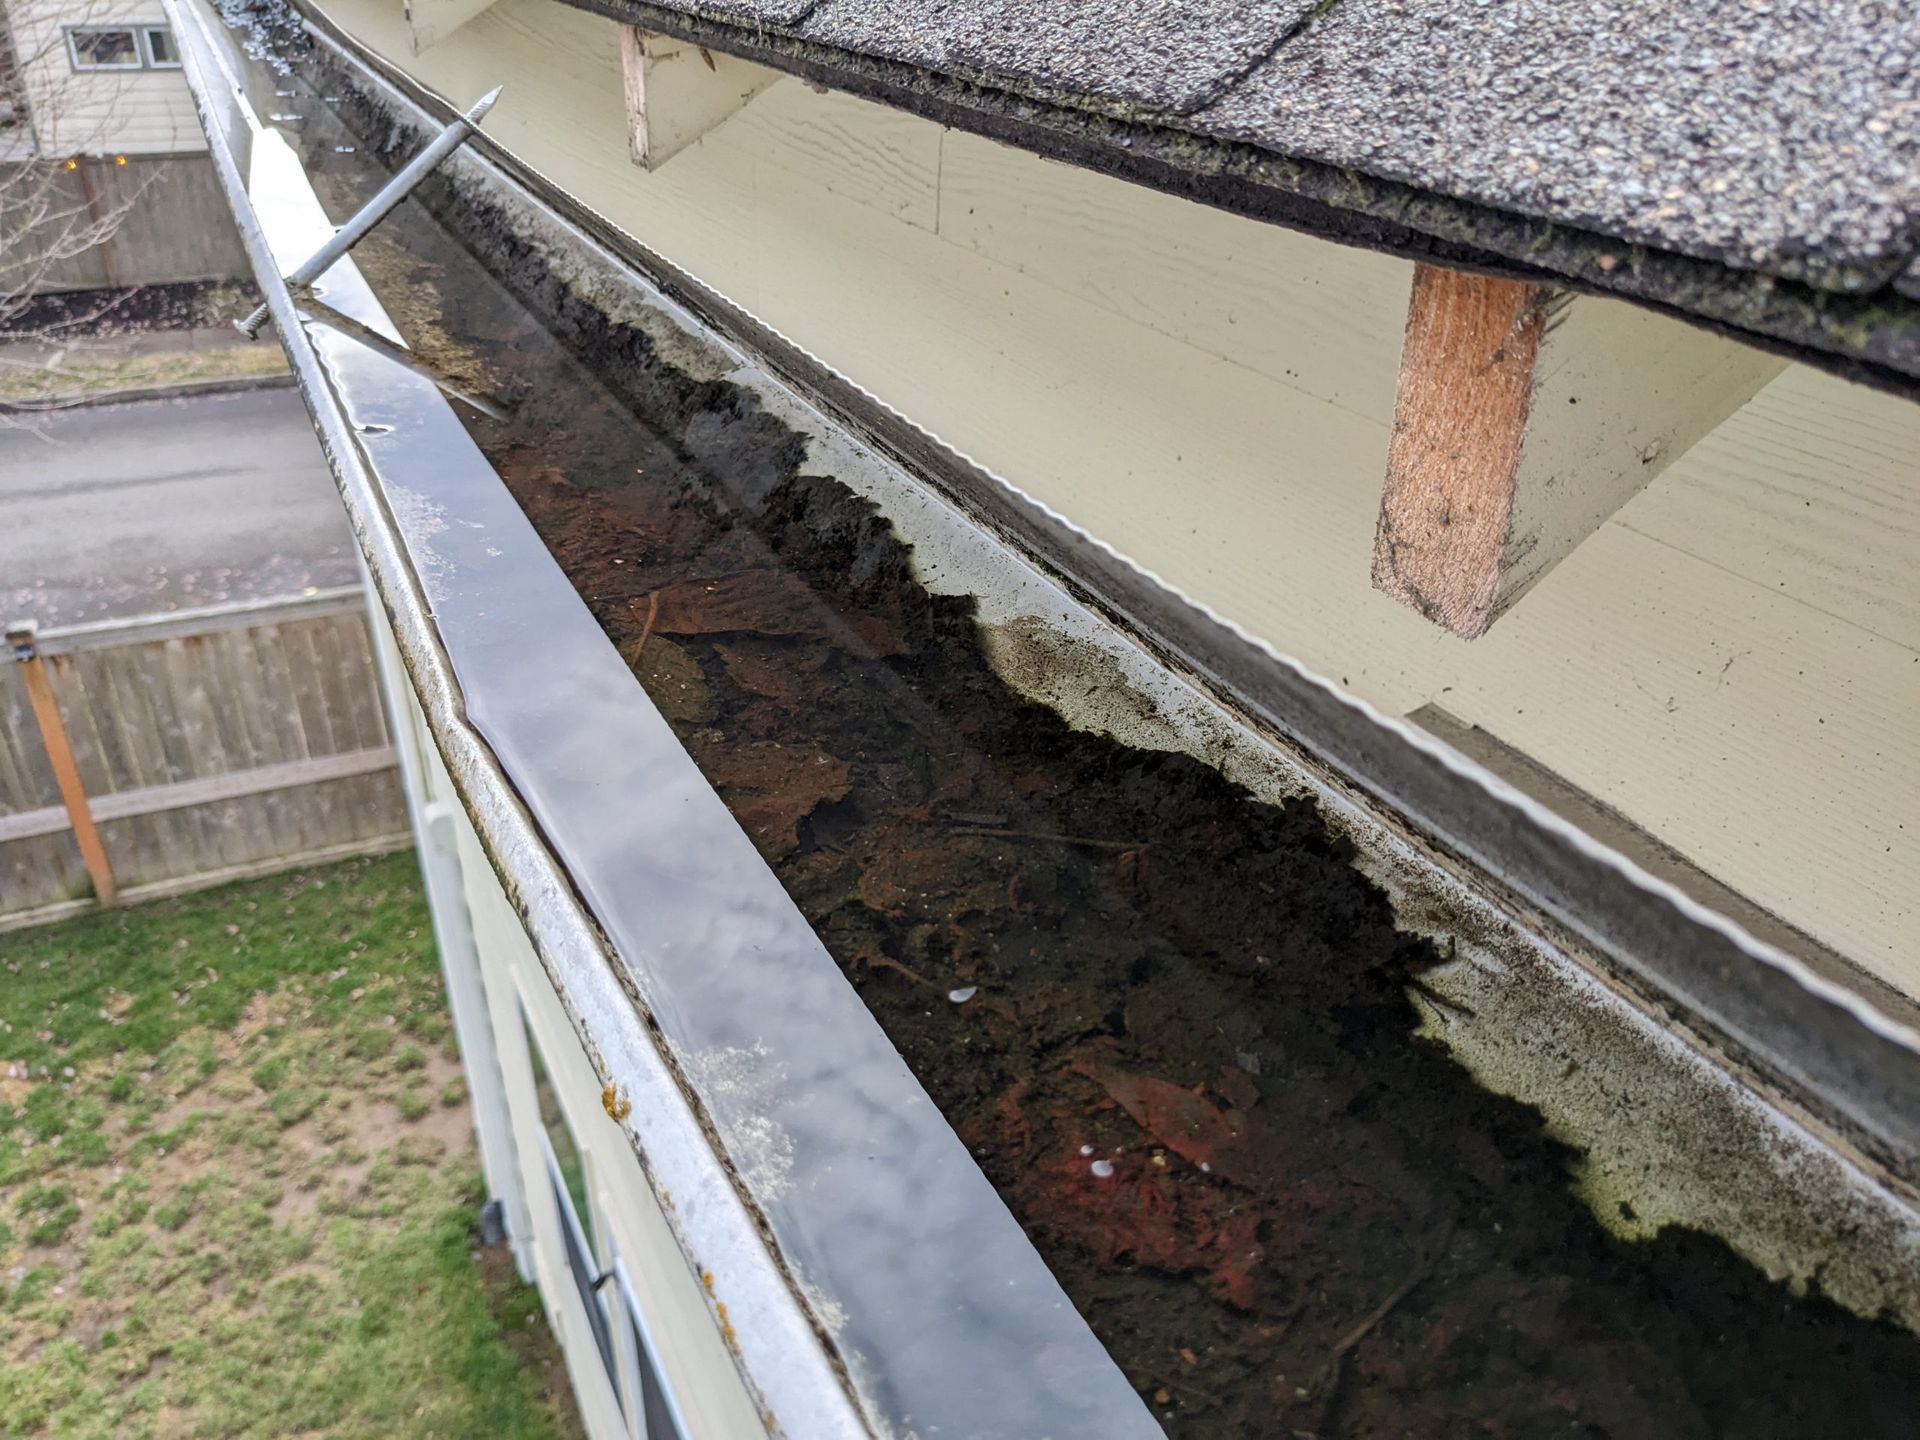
<point x="237" y="1180"/>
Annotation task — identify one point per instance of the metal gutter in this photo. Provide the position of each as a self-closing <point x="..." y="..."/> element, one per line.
<point x="1819" y="1042"/>
<point x="799" y="1387"/>
<point x="872" y="1281"/>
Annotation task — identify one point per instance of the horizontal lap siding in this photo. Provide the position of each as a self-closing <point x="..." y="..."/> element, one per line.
<point x="146" y="112"/>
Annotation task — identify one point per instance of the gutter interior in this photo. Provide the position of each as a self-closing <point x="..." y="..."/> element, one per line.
<point x="1173" y="1024"/>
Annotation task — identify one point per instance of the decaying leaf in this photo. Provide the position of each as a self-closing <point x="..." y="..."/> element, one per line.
<point x="772" y="788"/>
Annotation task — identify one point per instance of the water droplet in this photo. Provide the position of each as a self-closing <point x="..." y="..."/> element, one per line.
<point x="1205" y="1168"/>
<point x="1102" y="1168"/>
<point x="1086" y="1149"/>
<point x="963" y="994"/>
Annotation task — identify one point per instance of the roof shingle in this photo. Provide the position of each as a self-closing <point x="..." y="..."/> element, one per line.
<point x="1754" y="164"/>
<point x="1781" y="136"/>
<point x="1168" y="56"/>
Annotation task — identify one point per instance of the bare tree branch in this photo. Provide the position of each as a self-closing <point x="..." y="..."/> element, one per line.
<point x="52" y="210"/>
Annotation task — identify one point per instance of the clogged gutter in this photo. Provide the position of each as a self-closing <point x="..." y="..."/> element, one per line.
<point x="1189" y="1062"/>
<point x="1172" y="1023"/>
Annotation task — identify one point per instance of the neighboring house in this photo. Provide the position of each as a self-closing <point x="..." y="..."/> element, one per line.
<point x="16" y="135"/>
<point x="103" y="79"/>
<point x="1491" y="426"/>
<point x="96" y="91"/>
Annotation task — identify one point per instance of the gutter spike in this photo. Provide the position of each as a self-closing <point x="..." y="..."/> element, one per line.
<point x="376" y="209"/>
<point x="483" y="105"/>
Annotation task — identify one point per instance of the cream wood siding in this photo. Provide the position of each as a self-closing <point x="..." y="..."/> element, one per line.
<point x="128" y="112"/>
<point x="1733" y="661"/>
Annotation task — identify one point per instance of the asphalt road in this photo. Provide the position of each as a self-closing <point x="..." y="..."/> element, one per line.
<point x="158" y="505"/>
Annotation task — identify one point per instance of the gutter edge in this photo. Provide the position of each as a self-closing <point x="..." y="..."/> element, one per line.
<point x="715" y="1230"/>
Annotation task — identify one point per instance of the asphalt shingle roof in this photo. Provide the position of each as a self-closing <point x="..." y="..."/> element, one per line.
<point x="1154" y="55"/>
<point x="1780" y="136"/>
<point x="1752" y="163"/>
<point x="767" y="12"/>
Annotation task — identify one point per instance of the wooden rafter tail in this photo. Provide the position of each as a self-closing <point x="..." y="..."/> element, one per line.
<point x="675" y="92"/>
<point x="431" y="21"/>
<point x="1466" y="391"/>
<point x="1525" y="418"/>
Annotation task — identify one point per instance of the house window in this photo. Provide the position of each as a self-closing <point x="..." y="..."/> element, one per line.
<point x="92" y="49"/>
<point x="619" y="1327"/>
<point x="162" y="54"/>
<point x="587" y="1278"/>
<point x="566" y="1154"/>
<point x="651" y="1411"/>
<point x="150" y="47"/>
<point x="567" y="1174"/>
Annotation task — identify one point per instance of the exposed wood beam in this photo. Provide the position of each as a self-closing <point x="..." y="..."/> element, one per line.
<point x="1526" y="417"/>
<point x="677" y="92"/>
<point x="431" y="21"/>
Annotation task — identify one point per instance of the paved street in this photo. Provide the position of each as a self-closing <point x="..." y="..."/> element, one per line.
<point x="161" y="504"/>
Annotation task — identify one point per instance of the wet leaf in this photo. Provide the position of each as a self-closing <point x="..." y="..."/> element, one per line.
<point x="754" y="602"/>
<point x="1227" y="1142"/>
<point x="673" y="679"/>
<point x="1158" y="1219"/>
<point x="769" y="668"/>
<point x="772" y="788"/>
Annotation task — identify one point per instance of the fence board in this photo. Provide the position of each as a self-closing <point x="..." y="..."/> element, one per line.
<point x="137" y="720"/>
<point x="210" y="744"/>
<point x="201" y="719"/>
<point x="23" y="763"/>
<point x="187" y="794"/>
<point x="284" y="716"/>
<point x="253" y="735"/>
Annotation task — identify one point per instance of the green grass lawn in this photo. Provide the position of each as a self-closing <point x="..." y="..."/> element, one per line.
<point x="237" y="1179"/>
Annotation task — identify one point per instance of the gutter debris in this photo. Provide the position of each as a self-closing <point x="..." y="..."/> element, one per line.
<point x="1181" y="1033"/>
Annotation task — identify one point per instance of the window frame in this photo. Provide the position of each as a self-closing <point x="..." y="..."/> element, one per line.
<point x="154" y="62"/>
<point x="132" y="31"/>
<point x="621" y="1334"/>
<point x="546" y="1085"/>
<point x="579" y="1243"/>
<point x="649" y="1397"/>
<point x="589" y="1284"/>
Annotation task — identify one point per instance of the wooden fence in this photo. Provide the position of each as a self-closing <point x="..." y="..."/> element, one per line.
<point x="206" y="745"/>
<point x="174" y="224"/>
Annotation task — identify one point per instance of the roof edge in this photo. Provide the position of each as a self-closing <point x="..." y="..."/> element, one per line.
<point x="1870" y="339"/>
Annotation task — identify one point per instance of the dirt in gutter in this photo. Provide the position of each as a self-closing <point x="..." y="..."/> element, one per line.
<point x="1173" y="1023"/>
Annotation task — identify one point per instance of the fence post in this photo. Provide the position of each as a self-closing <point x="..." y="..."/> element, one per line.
<point x="53" y="734"/>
